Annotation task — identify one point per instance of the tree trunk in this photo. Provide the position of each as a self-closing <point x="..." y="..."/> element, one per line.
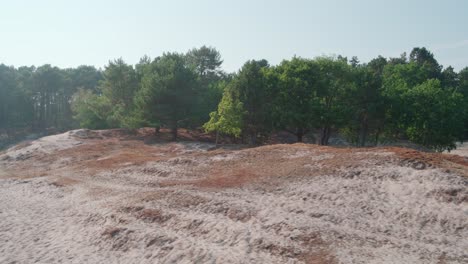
<point x="377" y="135"/>
<point x="42" y="110"/>
<point x="174" y="131"/>
<point x="156" y="130"/>
<point x="47" y="119"/>
<point x="299" y="134"/>
<point x="253" y="139"/>
<point x="3" y="122"/>
<point x="327" y="138"/>
<point x="363" y="132"/>
<point x="325" y="135"/>
<point x="217" y="137"/>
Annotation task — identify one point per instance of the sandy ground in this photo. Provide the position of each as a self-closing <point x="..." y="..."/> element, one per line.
<point x="462" y="150"/>
<point x="113" y="197"/>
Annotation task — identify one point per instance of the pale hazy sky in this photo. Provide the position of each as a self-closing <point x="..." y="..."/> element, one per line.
<point x="71" y="33"/>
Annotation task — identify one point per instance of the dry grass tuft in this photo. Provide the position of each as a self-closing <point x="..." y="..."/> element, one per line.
<point x="111" y="232"/>
<point x="64" y="181"/>
<point x="153" y="216"/>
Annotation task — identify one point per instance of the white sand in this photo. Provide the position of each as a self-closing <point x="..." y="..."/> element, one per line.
<point x="462" y="150"/>
<point x="378" y="214"/>
<point x="46" y="145"/>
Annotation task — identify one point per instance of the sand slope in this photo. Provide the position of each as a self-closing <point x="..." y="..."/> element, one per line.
<point x="107" y="197"/>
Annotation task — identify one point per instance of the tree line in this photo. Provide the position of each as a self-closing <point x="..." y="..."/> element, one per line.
<point x="409" y="97"/>
<point x="39" y="98"/>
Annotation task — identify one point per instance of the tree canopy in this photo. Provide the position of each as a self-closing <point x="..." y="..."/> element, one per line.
<point x="405" y="98"/>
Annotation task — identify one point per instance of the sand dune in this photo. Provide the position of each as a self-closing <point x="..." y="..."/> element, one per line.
<point x="106" y="197"/>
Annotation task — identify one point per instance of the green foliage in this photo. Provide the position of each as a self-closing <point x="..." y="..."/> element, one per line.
<point x="335" y="89"/>
<point x="120" y="83"/>
<point x="16" y="108"/>
<point x="449" y="78"/>
<point x="228" y="118"/>
<point x="108" y="104"/>
<point x="410" y="97"/>
<point x="206" y="61"/>
<point x="171" y="90"/>
<point x="294" y="86"/>
<point x="463" y="89"/>
<point x="246" y="93"/>
<point x="426" y="62"/>
<point x="208" y="98"/>
<point x="433" y="115"/>
<point x="367" y="103"/>
<point x="397" y="80"/>
<point x="168" y="92"/>
<point x="422" y="109"/>
<point x="83" y="77"/>
<point x="249" y="88"/>
<point x="463" y="82"/>
<point x="91" y="111"/>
